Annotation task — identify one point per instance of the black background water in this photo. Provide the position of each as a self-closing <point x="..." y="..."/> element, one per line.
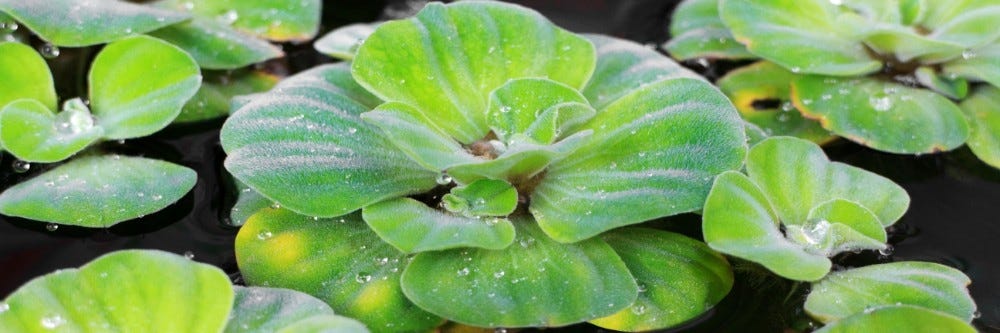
<point x="954" y="217"/>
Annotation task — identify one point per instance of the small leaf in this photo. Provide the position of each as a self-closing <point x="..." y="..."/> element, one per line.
<point x="304" y="145"/>
<point x="698" y="32"/>
<point x="982" y="109"/>
<point x="216" y="46"/>
<point x="247" y="203"/>
<point x="760" y="93"/>
<point x="956" y="88"/>
<point x="415" y="134"/>
<point x="622" y="66"/>
<point x="25" y="75"/>
<point x="838" y="226"/>
<point x="802" y="36"/>
<point x="76" y="23"/>
<point x="696" y="280"/>
<point x="653" y="153"/>
<point x="213" y="98"/>
<point x="284" y="21"/>
<point x="981" y="64"/>
<point x="886" y="116"/>
<point x="132" y="98"/>
<point x="32" y="133"/>
<point x="739" y="221"/>
<point x="125" y="291"/>
<point x="98" y="191"/>
<point x="540" y="109"/>
<point x="922" y="284"/>
<point x="537" y="282"/>
<point x="343" y="43"/>
<point x="485" y="197"/>
<point x="325" y="324"/>
<point x="899" y="319"/>
<point x="448" y="58"/>
<point x="337" y="260"/>
<point x="260" y="309"/>
<point x="411" y="227"/>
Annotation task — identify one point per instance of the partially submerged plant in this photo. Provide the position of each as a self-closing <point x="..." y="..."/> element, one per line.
<point x="491" y="154"/>
<point x="153" y="291"/>
<point x="885" y="74"/>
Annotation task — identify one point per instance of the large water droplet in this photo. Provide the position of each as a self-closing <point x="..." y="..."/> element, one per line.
<point x="20" y="166"/>
<point x="188" y="255"/>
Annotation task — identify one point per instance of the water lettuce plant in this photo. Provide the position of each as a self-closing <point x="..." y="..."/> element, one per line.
<point x="478" y="160"/>
<point x="154" y="291"/>
<point x="886" y="74"/>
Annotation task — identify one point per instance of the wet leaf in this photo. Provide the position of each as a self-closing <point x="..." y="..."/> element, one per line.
<point x="698" y="32"/>
<point x="247" y="203"/>
<point x="343" y="43"/>
<point x="956" y="88"/>
<point x="215" y="46"/>
<point x="622" y="66"/>
<point x="213" y="98"/>
<point x="76" y="23"/>
<point x="982" y="109"/>
<point x="98" y="191"/>
<point x="33" y="133"/>
<point x="981" y="64"/>
<point x="901" y="319"/>
<point x="411" y="227"/>
<point x="277" y="21"/>
<point x="261" y="309"/>
<point x="126" y="291"/>
<point x="485" y="197"/>
<point x="536" y="282"/>
<point x="26" y="75"/>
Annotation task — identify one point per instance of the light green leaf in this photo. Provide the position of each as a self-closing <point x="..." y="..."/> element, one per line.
<point x="417" y="136"/>
<point x="98" y="191"/>
<point x="956" y="88"/>
<point x="739" y="221"/>
<point x="325" y="324"/>
<point x="760" y="93"/>
<point x="886" y="116"/>
<point x="33" y="133"/>
<point x="26" y="75"/>
<point x="343" y="43"/>
<point x="125" y="291"/>
<point x="247" y="203"/>
<point x="969" y="26"/>
<point x="518" y="161"/>
<point x="978" y="65"/>
<point x="907" y="44"/>
<point x="923" y="284"/>
<point x="537" y="282"/>
<point x="304" y="145"/>
<point x="338" y="260"/>
<point x="838" y="226"/>
<point x="540" y="109"/>
<point x="653" y="153"/>
<point x="982" y="109"/>
<point x="139" y="84"/>
<point x="218" y="89"/>
<point x="216" y="46"/>
<point x="622" y="66"/>
<point x="77" y="23"/>
<point x="484" y="197"/>
<point x="696" y="280"/>
<point x="260" y="309"/>
<point x="447" y="59"/>
<point x="411" y="227"/>
<point x="277" y="21"/>
<point x="899" y="319"/>
<point x="698" y="32"/>
<point x="796" y="176"/>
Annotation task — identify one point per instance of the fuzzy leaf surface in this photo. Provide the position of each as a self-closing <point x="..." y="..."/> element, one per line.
<point x="74" y="23"/>
<point x="899" y="318"/>
<point x="33" y="133"/>
<point x="982" y="109"/>
<point x="26" y="75"/>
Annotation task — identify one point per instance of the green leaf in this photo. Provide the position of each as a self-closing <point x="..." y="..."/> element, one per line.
<point x="797" y="176"/>
<point x="484" y="197"/>
<point x="540" y="109"/>
<point x="338" y="260"/>
<point x="26" y="75"/>
<point x="343" y="43"/>
<point x="98" y="191"/>
<point x="538" y="282"/>
<point x="76" y="23"/>
<point x="739" y="221"/>
<point x="696" y="280"/>
<point x="139" y="84"/>
<point x="411" y="227"/>
<point x="325" y="324"/>
<point x="448" y="58"/>
<point x="956" y="88"/>
<point x="260" y="309"/>
<point x="417" y="136"/>
<point x="752" y="87"/>
<point x="216" y="46"/>
<point x="622" y="66"/>
<point x="899" y="319"/>
<point x="698" y="32"/>
<point x="966" y="23"/>
<point x="31" y="132"/>
<point x="247" y="203"/>
<point x="982" y="109"/>
<point x="838" y="226"/>
<point x="284" y="21"/>
<point x="653" y="153"/>
<point x="218" y="89"/>
<point x="125" y="291"/>
<point x="802" y="36"/>
<point x="922" y="284"/>
<point x="886" y="116"/>
<point x="906" y="44"/>
<point x="304" y="146"/>
<point x="979" y="65"/>
<point x="518" y="161"/>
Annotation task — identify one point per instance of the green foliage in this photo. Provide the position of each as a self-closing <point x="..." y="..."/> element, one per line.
<point x="983" y="111"/>
<point x="343" y="43"/>
<point x="75" y="23"/>
<point x="899" y="318"/>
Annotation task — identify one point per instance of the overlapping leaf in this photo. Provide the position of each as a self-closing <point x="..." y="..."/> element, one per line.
<point x="262" y="309"/>
<point x="899" y="318"/>
<point x="982" y="110"/>
<point x="83" y="23"/>
<point x="698" y="32"/>
<point x="343" y="43"/>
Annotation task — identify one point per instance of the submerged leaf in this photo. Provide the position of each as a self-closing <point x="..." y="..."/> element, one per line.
<point x="77" y="23"/>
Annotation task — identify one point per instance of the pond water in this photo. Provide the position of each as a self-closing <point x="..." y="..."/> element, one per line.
<point x="954" y="218"/>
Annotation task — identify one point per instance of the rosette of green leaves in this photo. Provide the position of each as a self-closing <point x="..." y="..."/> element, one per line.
<point x="128" y="99"/>
<point x="794" y="209"/>
<point x="495" y="147"/>
<point x="154" y="291"/>
<point x="884" y="74"/>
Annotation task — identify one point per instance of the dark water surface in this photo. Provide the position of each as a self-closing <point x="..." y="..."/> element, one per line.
<point x="954" y="218"/>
